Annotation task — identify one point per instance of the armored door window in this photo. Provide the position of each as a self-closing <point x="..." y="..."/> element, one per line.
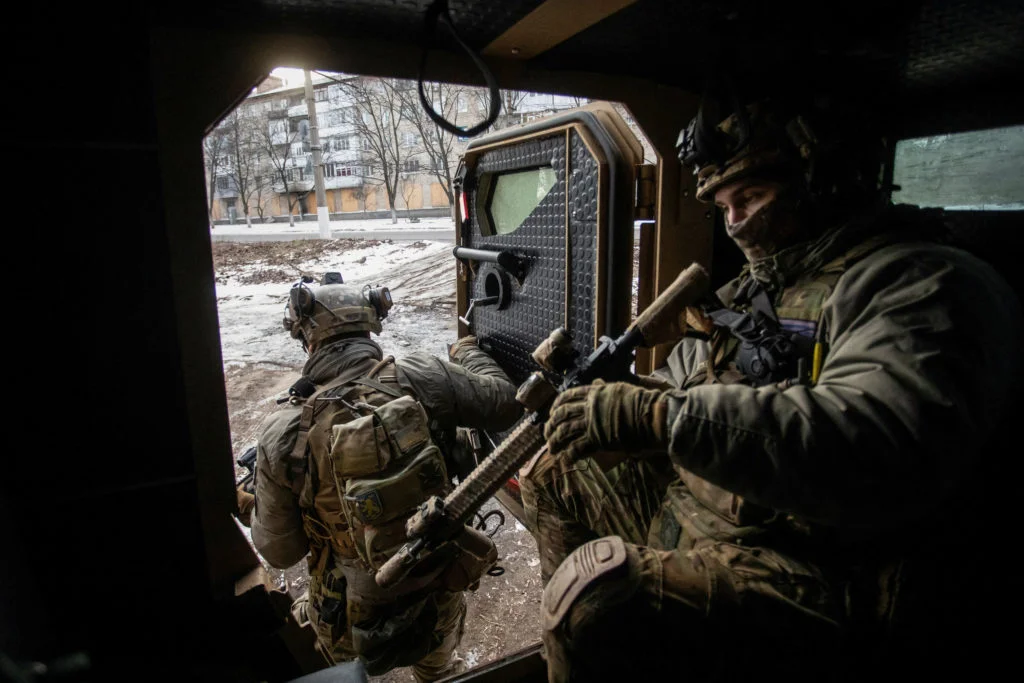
<point x="509" y="198"/>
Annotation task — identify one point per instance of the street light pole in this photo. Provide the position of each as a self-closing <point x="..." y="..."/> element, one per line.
<point x="322" y="214"/>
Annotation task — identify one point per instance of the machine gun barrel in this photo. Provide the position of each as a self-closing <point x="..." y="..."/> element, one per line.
<point x="437" y="521"/>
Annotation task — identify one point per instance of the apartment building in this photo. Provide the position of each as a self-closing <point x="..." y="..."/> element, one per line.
<point x="259" y="160"/>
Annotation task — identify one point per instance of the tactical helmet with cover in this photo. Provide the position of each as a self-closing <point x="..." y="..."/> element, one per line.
<point x="333" y="309"/>
<point x="828" y="152"/>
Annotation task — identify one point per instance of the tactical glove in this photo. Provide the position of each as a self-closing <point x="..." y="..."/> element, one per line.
<point x="246" y="501"/>
<point x="613" y="418"/>
<point x="454" y="349"/>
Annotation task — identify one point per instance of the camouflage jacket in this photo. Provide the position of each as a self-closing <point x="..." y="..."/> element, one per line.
<point x="922" y="353"/>
<point x="474" y="393"/>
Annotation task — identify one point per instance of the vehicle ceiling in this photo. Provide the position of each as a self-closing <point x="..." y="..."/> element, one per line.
<point x="943" y="64"/>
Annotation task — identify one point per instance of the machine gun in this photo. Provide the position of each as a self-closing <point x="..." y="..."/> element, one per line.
<point x="438" y="521"/>
<point x="248" y="461"/>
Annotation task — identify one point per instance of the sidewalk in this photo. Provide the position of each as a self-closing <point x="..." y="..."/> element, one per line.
<point x="312" y="228"/>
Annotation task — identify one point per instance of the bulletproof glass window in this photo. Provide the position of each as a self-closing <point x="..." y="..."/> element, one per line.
<point x="509" y="198"/>
<point x="973" y="171"/>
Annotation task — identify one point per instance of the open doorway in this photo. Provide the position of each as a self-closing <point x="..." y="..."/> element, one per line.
<point x="385" y="176"/>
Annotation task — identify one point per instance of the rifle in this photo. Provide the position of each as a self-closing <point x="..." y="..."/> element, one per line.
<point x="248" y="461"/>
<point x="438" y="521"/>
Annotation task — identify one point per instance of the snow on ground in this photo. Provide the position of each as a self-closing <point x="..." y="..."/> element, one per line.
<point x="261" y="361"/>
<point x="312" y="228"/>
<point x="251" y="299"/>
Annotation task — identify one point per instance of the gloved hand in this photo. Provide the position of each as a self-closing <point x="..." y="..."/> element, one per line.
<point x="246" y="502"/>
<point x="617" y="418"/>
<point x="454" y="349"/>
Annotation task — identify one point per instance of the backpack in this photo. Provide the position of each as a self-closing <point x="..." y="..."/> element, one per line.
<point x="369" y="461"/>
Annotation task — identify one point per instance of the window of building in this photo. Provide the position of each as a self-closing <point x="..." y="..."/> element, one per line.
<point x="411" y="165"/>
<point x="341" y="170"/>
<point x="463" y="104"/>
<point x="320" y="94"/>
<point x="295" y="175"/>
<point x="409" y="139"/>
<point x="222" y="183"/>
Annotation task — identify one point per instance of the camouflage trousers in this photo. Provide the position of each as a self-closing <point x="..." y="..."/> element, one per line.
<point x="619" y="605"/>
<point x="380" y="634"/>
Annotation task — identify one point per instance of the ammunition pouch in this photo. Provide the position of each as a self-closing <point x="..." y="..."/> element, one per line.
<point x="327" y="604"/>
<point x="385" y="465"/>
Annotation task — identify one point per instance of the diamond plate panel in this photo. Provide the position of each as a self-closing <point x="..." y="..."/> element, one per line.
<point x="538" y="304"/>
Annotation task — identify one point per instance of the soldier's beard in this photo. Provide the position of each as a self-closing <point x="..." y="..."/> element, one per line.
<point x="776" y="225"/>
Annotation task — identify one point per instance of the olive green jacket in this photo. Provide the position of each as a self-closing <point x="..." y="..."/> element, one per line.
<point x="923" y="351"/>
<point x="474" y="393"/>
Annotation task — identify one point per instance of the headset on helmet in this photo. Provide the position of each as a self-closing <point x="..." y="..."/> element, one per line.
<point x="314" y="315"/>
<point x="833" y="152"/>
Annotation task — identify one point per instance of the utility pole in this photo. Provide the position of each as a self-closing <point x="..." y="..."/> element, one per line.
<point x="323" y="216"/>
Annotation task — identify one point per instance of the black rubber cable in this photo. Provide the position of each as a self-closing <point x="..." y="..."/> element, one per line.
<point x="438" y="13"/>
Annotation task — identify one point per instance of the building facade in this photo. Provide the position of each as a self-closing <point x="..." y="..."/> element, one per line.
<point x="259" y="160"/>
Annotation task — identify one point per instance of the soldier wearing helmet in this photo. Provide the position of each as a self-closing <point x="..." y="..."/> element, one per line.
<point x="786" y="486"/>
<point x="361" y="441"/>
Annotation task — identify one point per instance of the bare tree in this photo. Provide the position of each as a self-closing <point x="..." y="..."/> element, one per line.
<point x="277" y="140"/>
<point x="439" y="146"/>
<point x="213" y="149"/>
<point x="264" y="192"/>
<point x="377" y="119"/>
<point x="511" y="101"/>
<point x="246" y="155"/>
<point x="408" y="190"/>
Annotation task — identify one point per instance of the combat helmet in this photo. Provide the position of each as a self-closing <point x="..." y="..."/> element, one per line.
<point x="833" y="152"/>
<point x="314" y="314"/>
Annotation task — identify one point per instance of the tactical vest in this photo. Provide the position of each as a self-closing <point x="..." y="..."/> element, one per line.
<point x="363" y="461"/>
<point x="712" y="511"/>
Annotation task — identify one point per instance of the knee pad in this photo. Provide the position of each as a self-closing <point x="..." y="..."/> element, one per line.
<point x="592" y="563"/>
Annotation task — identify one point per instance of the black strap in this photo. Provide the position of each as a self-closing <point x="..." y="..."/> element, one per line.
<point x="762" y="304"/>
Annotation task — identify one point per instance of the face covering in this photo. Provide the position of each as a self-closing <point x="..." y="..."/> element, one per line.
<point x="774" y="226"/>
